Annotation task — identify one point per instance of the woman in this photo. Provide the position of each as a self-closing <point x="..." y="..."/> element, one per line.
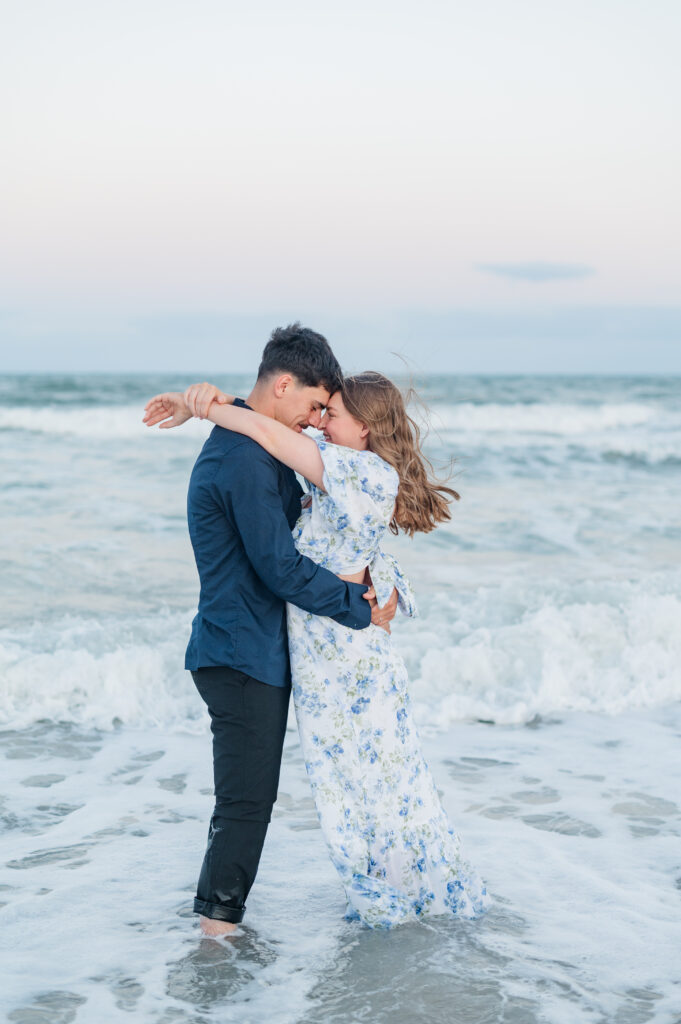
<point x="378" y="806"/>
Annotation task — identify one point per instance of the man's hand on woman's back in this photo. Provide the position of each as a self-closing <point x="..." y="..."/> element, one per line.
<point x="381" y="617"/>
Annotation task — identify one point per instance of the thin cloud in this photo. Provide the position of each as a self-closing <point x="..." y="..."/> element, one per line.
<point x="537" y="272"/>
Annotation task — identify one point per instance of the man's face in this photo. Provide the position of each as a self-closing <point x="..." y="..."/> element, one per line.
<point x="300" y="406"/>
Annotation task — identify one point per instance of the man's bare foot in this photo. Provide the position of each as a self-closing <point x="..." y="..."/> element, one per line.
<point x="215" y="928"/>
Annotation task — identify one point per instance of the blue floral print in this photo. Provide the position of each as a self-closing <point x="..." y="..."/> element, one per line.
<point x="377" y="803"/>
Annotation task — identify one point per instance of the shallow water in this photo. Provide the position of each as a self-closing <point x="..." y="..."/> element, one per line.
<point x="545" y="679"/>
<point x="556" y="586"/>
<point x="574" y="824"/>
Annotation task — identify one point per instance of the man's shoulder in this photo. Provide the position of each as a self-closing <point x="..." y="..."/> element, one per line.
<point x="241" y="448"/>
<point x="229" y="441"/>
<point x="228" y="457"/>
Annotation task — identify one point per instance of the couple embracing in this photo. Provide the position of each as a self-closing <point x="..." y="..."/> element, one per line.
<point x="297" y="593"/>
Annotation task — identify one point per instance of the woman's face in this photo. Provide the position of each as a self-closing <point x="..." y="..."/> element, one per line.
<point x="341" y="428"/>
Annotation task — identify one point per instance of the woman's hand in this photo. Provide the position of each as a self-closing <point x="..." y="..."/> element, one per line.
<point x="199" y="398"/>
<point x="168" y="410"/>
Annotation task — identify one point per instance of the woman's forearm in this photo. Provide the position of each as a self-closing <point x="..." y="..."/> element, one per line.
<point x="295" y="450"/>
<point x="244" y="421"/>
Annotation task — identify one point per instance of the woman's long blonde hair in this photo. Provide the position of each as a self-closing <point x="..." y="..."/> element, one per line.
<point x="374" y="400"/>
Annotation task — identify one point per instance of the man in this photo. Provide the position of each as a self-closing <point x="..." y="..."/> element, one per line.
<point x="242" y="505"/>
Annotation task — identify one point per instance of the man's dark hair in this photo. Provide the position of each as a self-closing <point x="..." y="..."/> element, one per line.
<point x="304" y="354"/>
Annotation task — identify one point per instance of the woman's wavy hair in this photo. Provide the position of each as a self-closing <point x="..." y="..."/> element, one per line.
<point x="374" y="400"/>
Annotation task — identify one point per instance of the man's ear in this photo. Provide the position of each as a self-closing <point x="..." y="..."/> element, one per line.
<point x="282" y="384"/>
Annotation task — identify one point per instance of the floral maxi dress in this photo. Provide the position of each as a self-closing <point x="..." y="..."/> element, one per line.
<point x="377" y="803"/>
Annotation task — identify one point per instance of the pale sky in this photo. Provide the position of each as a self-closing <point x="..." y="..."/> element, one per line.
<point x="483" y="185"/>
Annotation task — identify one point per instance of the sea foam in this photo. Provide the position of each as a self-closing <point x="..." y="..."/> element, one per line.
<point x="605" y="657"/>
<point x="118" y="422"/>
<point x="543" y="418"/>
<point x="467" y="660"/>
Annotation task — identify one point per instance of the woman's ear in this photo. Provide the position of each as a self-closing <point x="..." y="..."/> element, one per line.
<point x="364" y="432"/>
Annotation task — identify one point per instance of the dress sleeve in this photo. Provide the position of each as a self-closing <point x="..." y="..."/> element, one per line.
<point x="385" y="574"/>
<point x="360" y="489"/>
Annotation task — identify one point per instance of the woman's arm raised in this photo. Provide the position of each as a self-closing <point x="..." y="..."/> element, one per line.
<point x="288" y="446"/>
<point x="285" y="444"/>
<point x="172" y="409"/>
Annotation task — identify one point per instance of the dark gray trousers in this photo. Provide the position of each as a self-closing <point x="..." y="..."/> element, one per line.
<point x="248" y="722"/>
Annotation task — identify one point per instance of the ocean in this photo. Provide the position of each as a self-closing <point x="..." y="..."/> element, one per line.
<point x="545" y="671"/>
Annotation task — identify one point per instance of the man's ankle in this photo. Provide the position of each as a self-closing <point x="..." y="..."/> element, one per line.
<point x="212" y="928"/>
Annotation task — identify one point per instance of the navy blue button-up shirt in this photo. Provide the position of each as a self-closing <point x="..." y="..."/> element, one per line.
<point x="242" y="505"/>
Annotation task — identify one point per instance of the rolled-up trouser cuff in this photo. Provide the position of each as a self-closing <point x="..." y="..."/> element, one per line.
<point x="217" y="913"/>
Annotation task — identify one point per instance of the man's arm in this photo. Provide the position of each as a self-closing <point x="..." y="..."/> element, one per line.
<point x="246" y="485"/>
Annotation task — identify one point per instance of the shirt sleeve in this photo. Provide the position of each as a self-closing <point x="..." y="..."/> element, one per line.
<point x="248" y="489"/>
<point x="360" y="489"/>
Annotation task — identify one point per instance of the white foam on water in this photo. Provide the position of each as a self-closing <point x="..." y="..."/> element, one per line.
<point x="99" y="673"/>
<point x="544" y="418"/>
<point x="556" y="431"/>
<point x="97" y="422"/>
<point x="627" y="428"/>
<point x="607" y="657"/>
<point x="501" y="653"/>
<point x="574" y="826"/>
<point x="543" y="600"/>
